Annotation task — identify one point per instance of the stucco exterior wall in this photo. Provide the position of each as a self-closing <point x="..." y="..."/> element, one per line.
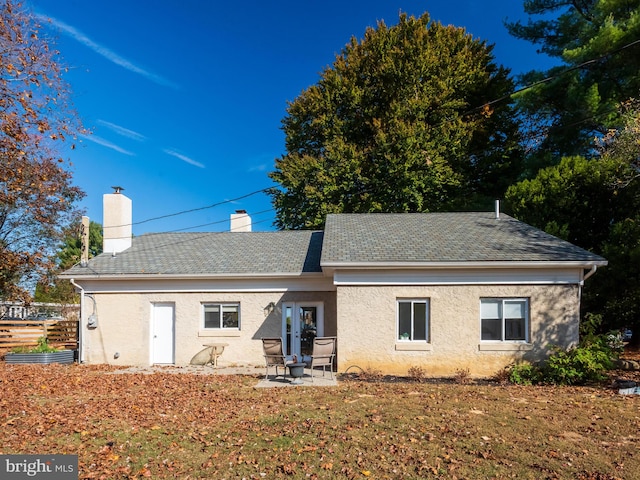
<point x="367" y="328"/>
<point x="123" y="335"/>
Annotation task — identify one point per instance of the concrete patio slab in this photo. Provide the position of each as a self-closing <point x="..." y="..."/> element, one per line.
<point x="272" y="381"/>
<point x="305" y="381"/>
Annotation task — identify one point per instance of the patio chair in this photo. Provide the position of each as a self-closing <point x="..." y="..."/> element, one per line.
<point x="274" y="355"/>
<point x="324" y="351"/>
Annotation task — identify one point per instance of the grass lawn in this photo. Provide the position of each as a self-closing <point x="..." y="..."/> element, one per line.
<point x="165" y="425"/>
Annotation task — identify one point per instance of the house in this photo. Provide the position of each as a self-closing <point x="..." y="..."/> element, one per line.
<point x="440" y="291"/>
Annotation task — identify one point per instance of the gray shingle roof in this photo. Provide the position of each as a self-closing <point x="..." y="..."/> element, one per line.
<point x="221" y="253"/>
<point x="376" y="239"/>
<point x="381" y="238"/>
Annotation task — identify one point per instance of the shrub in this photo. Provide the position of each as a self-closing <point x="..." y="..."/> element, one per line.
<point x="462" y="376"/>
<point x="42" y="347"/>
<point x="502" y="375"/>
<point x="586" y="363"/>
<point x="416" y="373"/>
<point x="579" y="365"/>
<point x="524" y="374"/>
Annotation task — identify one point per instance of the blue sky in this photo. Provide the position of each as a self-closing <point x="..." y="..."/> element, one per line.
<point x="185" y="97"/>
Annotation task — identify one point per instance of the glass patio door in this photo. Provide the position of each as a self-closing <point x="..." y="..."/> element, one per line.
<point x="301" y="323"/>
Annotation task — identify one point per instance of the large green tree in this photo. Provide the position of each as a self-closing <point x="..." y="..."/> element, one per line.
<point x="398" y="123"/>
<point x="595" y="43"/>
<point x="50" y="289"/>
<point x="595" y="203"/>
<point x="36" y="193"/>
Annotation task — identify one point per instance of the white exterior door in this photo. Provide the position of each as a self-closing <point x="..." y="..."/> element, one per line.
<point x="301" y="323"/>
<point x="162" y="333"/>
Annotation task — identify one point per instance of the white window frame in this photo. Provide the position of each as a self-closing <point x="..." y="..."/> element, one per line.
<point x="427" y="320"/>
<point x="221" y="306"/>
<point x="502" y="301"/>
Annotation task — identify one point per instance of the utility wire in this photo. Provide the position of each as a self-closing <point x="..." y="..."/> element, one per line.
<point x="222" y="221"/>
<point x="487" y="104"/>
<point x="553" y="77"/>
<point x="264" y="190"/>
<point x="253" y="222"/>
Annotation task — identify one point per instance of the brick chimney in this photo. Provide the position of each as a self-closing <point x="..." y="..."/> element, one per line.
<point x="116" y="221"/>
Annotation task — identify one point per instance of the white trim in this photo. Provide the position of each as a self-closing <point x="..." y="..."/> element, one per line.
<point x="189" y="276"/>
<point x="586" y="264"/>
<point x="460" y="277"/>
<point x="152" y="327"/>
<point x="527" y="321"/>
<point x="249" y="285"/>
<point x="205" y="304"/>
<point x="294" y="308"/>
<point x="413" y="300"/>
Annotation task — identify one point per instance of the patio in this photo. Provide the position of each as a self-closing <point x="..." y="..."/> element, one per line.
<point x="272" y="381"/>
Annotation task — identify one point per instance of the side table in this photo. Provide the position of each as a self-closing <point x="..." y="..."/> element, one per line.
<point x="296" y="370"/>
<point x="216" y="351"/>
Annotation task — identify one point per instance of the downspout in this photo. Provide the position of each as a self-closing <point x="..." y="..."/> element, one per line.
<point x="589" y="273"/>
<point x="581" y="284"/>
<point x="80" y="329"/>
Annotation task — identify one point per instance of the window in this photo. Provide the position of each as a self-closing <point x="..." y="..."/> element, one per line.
<point x="504" y="319"/>
<point x="222" y="315"/>
<point x="413" y="320"/>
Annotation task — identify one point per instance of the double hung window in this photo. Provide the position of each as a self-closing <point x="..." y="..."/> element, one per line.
<point x="504" y="319"/>
<point x="413" y="320"/>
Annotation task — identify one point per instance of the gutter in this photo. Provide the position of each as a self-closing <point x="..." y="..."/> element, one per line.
<point x="463" y="265"/>
<point x="194" y="276"/>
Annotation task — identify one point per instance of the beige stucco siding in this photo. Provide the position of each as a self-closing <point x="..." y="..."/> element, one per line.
<point x="367" y="327"/>
<point x="123" y="335"/>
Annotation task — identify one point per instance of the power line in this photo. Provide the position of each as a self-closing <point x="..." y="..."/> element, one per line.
<point x="221" y="221"/>
<point x="553" y="77"/>
<point x="264" y="190"/>
<point x="486" y="104"/>
<point x="253" y="222"/>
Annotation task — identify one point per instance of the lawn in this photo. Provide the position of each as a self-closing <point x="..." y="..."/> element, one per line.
<point x="164" y="425"/>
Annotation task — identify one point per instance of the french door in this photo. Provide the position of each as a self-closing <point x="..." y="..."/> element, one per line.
<point x="301" y="323"/>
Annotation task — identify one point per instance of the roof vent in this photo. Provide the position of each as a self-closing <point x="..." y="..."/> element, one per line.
<point x="497" y="209"/>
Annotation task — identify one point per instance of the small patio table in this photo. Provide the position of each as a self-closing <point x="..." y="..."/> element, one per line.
<point x="296" y="370"/>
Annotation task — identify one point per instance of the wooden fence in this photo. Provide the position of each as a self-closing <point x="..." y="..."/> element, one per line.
<point x="23" y="333"/>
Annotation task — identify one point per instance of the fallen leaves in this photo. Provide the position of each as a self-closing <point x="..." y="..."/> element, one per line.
<point x="188" y="426"/>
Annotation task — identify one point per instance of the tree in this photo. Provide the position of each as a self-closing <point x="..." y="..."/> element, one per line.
<point x="399" y="123"/>
<point x="595" y="203"/>
<point x="36" y="195"/>
<point x="52" y="290"/>
<point x="596" y="43"/>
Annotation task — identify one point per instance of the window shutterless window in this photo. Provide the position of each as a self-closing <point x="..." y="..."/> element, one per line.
<point x="413" y="320"/>
<point x="222" y="315"/>
<point x="504" y="319"/>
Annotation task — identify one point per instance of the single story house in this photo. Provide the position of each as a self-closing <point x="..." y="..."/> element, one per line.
<point x="439" y="291"/>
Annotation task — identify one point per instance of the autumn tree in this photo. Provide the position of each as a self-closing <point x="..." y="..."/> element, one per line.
<point x="398" y="123"/>
<point x="597" y="47"/>
<point x="36" y="194"/>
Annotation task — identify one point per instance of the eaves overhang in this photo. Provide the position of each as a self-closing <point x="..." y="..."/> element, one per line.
<point x="584" y="264"/>
<point x="184" y="276"/>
